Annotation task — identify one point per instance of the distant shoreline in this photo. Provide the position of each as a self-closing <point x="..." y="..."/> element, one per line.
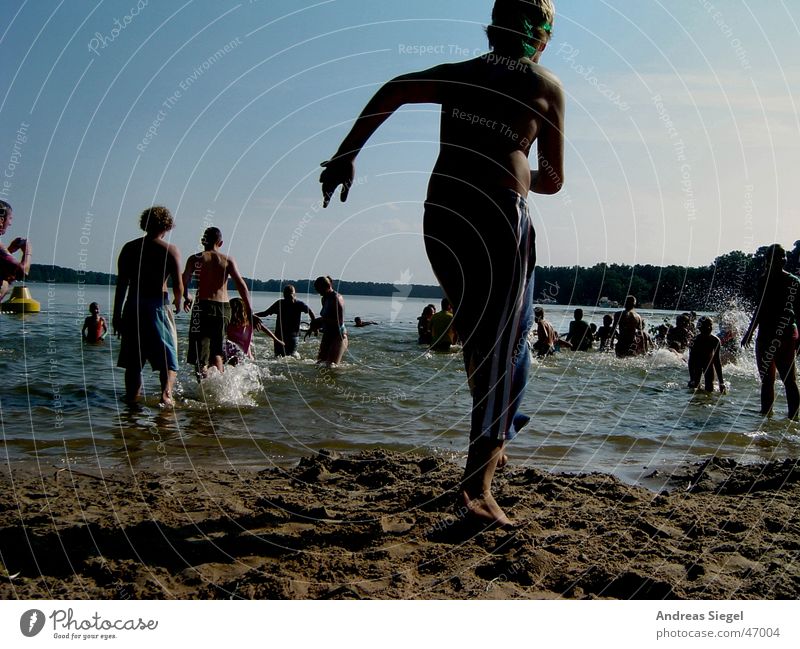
<point x="47" y="274"/>
<point x="730" y="278"/>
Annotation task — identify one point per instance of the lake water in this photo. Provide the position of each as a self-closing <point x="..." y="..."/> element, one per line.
<point x="60" y="400"/>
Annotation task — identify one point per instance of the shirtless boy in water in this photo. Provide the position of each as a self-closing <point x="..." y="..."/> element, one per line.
<point x="142" y="316"/>
<point x="704" y="359"/>
<point x="210" y="310"/>
<point x="478" y="231"/>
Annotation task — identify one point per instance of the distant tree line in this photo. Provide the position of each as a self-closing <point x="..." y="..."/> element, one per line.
<point x="731" y="276"/>
<point x="61" y="275"/>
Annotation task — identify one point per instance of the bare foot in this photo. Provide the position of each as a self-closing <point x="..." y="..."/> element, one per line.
<point x="484" y="509"/>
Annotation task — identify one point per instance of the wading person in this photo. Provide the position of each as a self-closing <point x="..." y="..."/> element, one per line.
<point x="289" y="312"/>
<point x="210" y="311"/>
<point x="333" y="345"/>
<point x="478" y="231"/>
<point x="11" y="269"/>
<point x="776" y="319"/>
<point x="142" y="315"/>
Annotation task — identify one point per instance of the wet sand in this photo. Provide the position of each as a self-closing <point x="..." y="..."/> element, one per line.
<point x="382" y="525"/>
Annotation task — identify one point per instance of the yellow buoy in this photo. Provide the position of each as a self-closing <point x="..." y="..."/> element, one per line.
<point x="20" y="302"/>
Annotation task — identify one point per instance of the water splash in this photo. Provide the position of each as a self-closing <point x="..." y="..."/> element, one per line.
<point x="236" y="387"/>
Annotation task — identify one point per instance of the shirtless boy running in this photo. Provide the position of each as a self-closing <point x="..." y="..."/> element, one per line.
<point x="478" y="231"/>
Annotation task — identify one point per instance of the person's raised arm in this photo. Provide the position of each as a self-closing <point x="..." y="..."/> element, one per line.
<point x="24" y="265"/>
<point x="421" y="87"/>
<point x="549" y="177"/>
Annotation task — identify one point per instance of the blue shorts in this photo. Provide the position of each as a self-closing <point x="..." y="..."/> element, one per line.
<point x="148" y="335"/>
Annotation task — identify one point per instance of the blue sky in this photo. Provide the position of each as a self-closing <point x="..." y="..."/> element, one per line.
<point x="682" y="133"/>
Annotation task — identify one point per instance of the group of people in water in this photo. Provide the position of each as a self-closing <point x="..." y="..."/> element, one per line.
<point x="479" y="239"/>
<point x="221" y="329"/>
<point x="775" y="320"/>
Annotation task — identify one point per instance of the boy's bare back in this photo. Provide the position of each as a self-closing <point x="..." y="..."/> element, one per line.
<point x="212" y="269"/>
<point x="147" y="263"/>
<point x="493" y="109"/>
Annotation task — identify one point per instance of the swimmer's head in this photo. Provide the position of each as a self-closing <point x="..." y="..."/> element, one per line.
<point x="705" y="325"/>
<point x="446" y="306"/>
<point x="156" y="220"/>
<point x="288" y="291"/>
<point x="630" y="302"/>
<point x="578" y="314"/>
<point x="538" y="313"/>
<point x="520" y="27"/>
<point x="607" y="319"/>
<point x="94" y="307"/>
<point x="357" y="320"/>
<point x="211" y="237"/>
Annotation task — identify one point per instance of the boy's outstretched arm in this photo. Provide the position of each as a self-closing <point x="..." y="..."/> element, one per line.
<point x="414" y="88"/>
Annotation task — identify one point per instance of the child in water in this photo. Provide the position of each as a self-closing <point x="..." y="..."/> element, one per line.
<point x="95" y="328"/>
<point x="239" y="334"/>
<point x="704" y="359"/>
<point x="605" y="334"/>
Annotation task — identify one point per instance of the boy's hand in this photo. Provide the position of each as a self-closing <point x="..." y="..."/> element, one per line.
<point x="722" y="388"/>
<point x="116" y="325"/>
<point x="187" y="304"/>
<point x="339" y="171"/>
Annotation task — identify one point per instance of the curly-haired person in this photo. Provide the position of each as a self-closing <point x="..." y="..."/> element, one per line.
<point x="142" y="315"/>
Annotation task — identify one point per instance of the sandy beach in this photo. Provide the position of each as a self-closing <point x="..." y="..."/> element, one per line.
<point x="382" y="525"/>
